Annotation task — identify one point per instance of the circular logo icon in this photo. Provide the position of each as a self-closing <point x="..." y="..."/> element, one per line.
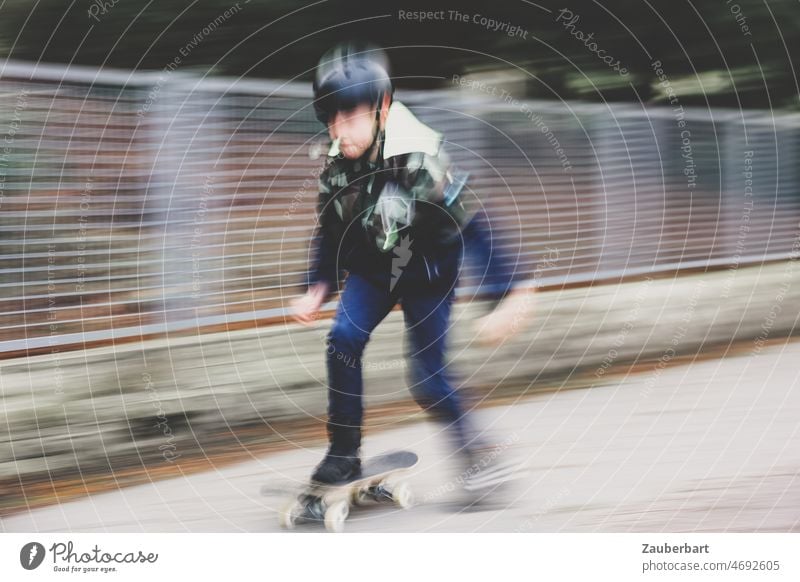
<point x="31" y="555"/>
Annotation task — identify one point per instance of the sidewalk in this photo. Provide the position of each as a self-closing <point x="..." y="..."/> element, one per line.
<point x="710" y="446"/>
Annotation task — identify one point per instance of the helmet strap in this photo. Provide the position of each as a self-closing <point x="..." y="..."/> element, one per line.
<point x="377" y="125"/>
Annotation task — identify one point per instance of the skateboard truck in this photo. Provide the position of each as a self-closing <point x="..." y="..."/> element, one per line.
<point x="330" y="504"/>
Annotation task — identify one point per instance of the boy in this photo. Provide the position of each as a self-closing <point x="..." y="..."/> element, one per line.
<point x="390" y="214"/>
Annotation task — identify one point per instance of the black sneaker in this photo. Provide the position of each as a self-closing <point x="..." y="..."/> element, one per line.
<point x="337" y="468"/>
<point x="342" y="462"/>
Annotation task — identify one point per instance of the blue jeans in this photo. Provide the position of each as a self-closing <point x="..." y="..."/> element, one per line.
<point x="362" y="306"/>
<point x="367" y="300"/>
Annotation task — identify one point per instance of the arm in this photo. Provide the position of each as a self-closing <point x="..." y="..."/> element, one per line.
<point x="512" y="300"/>
<point x="305" y="309"/>
<point x="323" y="275"/>
<point x="432" y="180"/>
<point x="498" y="276"/>
<point x="323" y="263"/>
<point x="325" y="244"/>
<point x="440" y="216"/>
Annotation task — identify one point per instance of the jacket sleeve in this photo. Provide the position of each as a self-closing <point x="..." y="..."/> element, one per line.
<point x="324" y="266"/>
<point x="494" y="265"/>
<point x="323" y="261"/>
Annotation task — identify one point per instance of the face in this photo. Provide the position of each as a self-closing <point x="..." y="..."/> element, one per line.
<point x="354" y="128"/>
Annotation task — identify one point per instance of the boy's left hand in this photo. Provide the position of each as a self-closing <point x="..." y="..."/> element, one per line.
<point x="509" y="318"/>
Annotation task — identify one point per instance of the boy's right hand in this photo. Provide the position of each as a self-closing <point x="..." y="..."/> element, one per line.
<point x="305" y="309"/>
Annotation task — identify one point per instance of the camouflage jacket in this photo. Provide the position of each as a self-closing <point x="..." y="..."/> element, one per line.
<point x="406" y="207"/>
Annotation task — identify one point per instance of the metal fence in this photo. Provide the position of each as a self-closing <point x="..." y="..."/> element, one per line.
<point x="139" y="204"/>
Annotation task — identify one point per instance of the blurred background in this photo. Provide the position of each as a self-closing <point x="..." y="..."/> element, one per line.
<point x="159" y="166"/>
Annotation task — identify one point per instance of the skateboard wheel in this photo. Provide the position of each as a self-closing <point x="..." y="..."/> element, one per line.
<point x="359" y="497"/>
<point x="335" y="516"/>
<point x="287" y="516"/>
<point x="402" y="495"/>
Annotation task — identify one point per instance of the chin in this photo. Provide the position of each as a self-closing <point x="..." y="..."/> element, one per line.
<point x="352" y="152"/>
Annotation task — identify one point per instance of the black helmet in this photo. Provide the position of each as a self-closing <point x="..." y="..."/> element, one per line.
<point x="348" y="75"/>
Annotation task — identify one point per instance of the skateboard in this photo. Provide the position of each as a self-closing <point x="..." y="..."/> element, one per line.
<point x="380" y="481"/>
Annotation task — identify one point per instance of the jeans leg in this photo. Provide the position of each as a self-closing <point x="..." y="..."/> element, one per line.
<point x="362" y="306"/>
<point x="427" y="318"/>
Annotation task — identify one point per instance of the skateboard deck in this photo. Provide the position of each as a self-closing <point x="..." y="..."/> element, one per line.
<point x="380" y="481"/>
